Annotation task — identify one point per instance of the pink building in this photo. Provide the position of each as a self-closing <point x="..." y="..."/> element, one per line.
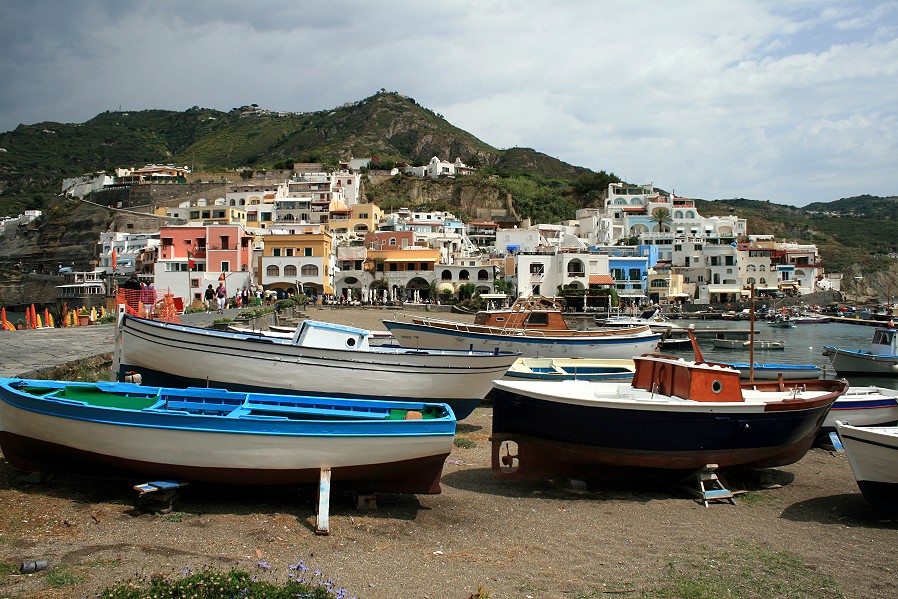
<point x="192" y="257"/>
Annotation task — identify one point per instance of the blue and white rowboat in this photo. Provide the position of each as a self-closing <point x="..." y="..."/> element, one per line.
<point x="219" y="436"/>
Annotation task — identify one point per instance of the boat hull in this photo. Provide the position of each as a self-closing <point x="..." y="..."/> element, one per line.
<point x="181" y="356"/>
<point x="873" y="455"/>
<point x="847" y="361"/>
<point x="412" y="335"/>
<point x="863" y="406"/>
<point x="386" y="456"/>
<point x="772" y="371"/>
<point x="587" y="435"/>
<point x="559" y="369"/>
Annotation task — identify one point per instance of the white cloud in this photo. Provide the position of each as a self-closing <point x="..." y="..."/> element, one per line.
<point x="787" y="101"/>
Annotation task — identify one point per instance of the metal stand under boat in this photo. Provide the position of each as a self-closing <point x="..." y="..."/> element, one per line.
<point x="157" y="496"/>
<point x="709" y="487"/>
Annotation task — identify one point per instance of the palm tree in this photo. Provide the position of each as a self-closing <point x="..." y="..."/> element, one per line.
<point x="661" y="216"/>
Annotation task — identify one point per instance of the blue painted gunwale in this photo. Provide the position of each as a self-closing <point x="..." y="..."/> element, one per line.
<point x="368" y="418"/>
<point x="462" y="408"/>
<point x="863" y="353"/>
<point x="516" y="338"/>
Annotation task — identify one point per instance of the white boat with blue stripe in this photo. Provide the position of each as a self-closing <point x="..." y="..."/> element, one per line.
<point x="214" y="435"/>
<point x="321" y="359"/>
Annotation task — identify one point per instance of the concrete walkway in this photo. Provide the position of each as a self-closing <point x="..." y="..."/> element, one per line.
<point x="22" y="352"/>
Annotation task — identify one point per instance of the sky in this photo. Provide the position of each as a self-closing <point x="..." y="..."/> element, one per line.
<point x="791" y="101"/>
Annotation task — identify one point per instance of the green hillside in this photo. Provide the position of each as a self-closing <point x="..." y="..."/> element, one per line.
<point x="387" y="125"/>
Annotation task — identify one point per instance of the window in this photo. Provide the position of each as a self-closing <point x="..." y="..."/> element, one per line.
<point x="482" y="275"/>
<point x="307" y="251"/>
<point x="289" y="270"/>
<point x="538" y="319"/>
<point x="309" y="270"/>
<point x="464" y="275"/>
<point x="272" y="271"/>
<point x="392" y="241"/>
<point x="446" y="275"/>
<point x="225" y="267"/>
<point x="289" y="252"/>
<point x="536" y="268"/>
<point x="276" y="252"/>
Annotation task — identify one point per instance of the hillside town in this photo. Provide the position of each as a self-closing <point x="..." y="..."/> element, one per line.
<point x="312" y="233"/>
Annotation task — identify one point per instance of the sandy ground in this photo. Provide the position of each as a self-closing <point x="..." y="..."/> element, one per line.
<point x="513" y="539"/>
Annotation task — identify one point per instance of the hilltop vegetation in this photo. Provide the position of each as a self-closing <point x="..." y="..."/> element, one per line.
<point x="853" y="233"/>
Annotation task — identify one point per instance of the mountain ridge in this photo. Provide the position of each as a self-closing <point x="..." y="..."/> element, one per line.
<point x="851" y="232"/>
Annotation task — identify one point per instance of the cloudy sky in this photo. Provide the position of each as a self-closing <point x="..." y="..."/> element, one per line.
<point x="791" y="101"/>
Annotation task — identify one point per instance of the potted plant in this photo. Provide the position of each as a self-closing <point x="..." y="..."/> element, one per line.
<point x="83" y="317"/>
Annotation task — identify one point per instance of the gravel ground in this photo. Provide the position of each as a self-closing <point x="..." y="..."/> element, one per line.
<point x="513" y="539"/>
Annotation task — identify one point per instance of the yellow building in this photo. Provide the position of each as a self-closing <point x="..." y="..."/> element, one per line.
<point x="298" y="259"/>
<point x="353" y="222"/>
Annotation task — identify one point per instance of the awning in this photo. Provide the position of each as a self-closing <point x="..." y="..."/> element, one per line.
<point x="724" y="289"/>
<point x="601" y="280"/>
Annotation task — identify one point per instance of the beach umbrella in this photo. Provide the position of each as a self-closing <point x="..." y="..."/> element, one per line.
<point x="47" y="317"/>
<point x="3" y="317"/>
<point x="37" y="319"/>
<point x="93" y="315"/>
<point x="28" y="317"/>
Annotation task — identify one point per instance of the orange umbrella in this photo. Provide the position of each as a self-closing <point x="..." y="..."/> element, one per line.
<point x="33" y="317"/>
<point x="46" y="317"/>
<point x="28" y="317"/>
<point x="3" y="319"/>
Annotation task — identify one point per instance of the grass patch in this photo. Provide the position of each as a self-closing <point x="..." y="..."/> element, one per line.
<point x="59" y="578"/>
<point x="7" y="569"/>
<point x="742" y="572"/>
<point x="172" y="517"/>
<point x="751" y="498"/>
<point x="464" y="443"/>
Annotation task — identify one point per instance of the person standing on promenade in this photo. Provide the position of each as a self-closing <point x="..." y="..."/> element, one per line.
<point x="148" y="298"/>
<point x="209" y="297"/>
<point x="222" y="294"/>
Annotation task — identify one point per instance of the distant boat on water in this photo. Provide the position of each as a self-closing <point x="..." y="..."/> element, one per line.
<point x="880" y="359"/>
<point x="533" y="326"/>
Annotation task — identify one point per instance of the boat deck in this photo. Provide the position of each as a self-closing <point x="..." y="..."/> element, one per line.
<point x="227" y="404"/>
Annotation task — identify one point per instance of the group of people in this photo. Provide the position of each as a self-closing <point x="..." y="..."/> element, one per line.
<point x="217" y="299"/>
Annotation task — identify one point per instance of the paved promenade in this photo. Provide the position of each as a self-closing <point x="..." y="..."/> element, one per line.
<point x="22" y="352"/>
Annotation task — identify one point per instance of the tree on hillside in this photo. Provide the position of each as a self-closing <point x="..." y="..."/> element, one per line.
<point x="588" y="183"/>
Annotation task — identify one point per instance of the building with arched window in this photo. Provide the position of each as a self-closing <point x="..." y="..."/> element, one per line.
<point x="298" y="259"/>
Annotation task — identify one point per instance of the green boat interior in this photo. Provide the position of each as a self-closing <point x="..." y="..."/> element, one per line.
<point x="217" y="402"/>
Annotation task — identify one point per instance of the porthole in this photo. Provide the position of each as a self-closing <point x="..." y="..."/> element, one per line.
<point x="350" y="343"/>
<point x="716" y="386"/>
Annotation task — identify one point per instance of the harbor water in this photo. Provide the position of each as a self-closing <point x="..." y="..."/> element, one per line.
<point x="803" y="345"/>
